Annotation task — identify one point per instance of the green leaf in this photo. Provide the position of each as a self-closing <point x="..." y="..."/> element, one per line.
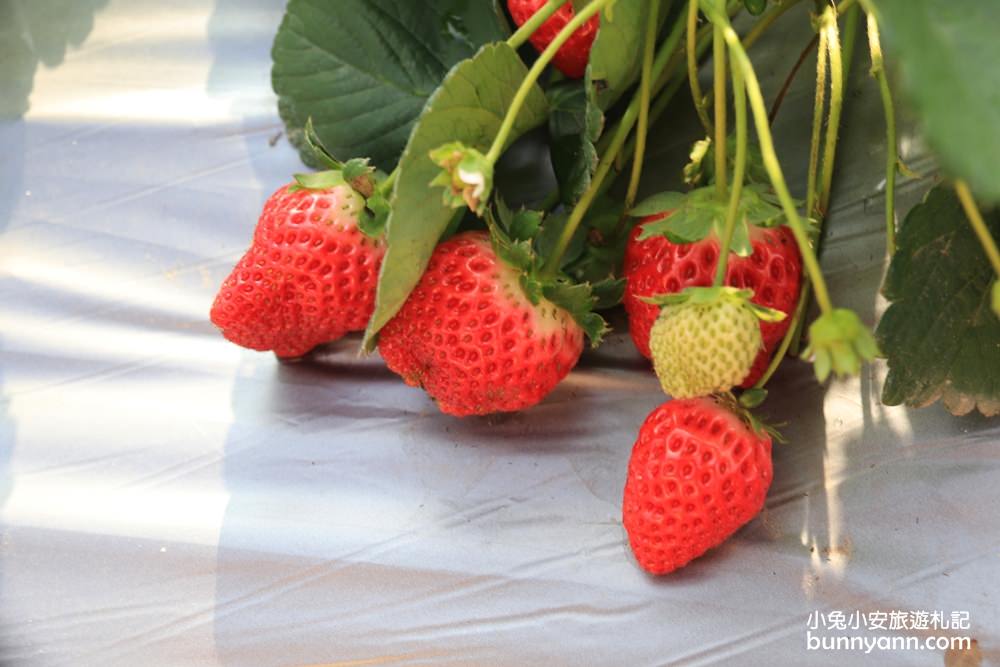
<point x="468" y="107"/>
<point x="946" y="51"/>
<point x="755" y="7"/>
<point x="363" y="69"/>
<point x="574" y="126"/>
<point x="940" y="335"/>
<point x="616" y="55"/>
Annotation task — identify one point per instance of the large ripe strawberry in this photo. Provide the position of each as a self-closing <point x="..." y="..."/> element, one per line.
<point x="572" y="56"/>
<point x="657" y="265"/>
<point x="309" y="276"/>
<point x="697" y="473"/>
<point x="473" y="339"/>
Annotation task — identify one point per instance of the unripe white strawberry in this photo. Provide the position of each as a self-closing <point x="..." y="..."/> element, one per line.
<point x="705" y="341"/>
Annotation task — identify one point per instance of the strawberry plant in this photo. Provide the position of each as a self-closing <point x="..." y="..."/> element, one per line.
<point x="480" y="286"/>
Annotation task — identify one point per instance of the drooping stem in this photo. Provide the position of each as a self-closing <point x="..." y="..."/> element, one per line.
<point x="978" y="225"/>
<point x="385" y="187"/>
<point x="536" y="70"/>
<point x="608" y="158"/>
<point x="819" y="106"/>
<point x="892" y="152"/>
<point x="692" y="65"/>
<point x="773" y="167"/>
<point x="719" y="83"/>
<point x="532" y="24"/>
<point x="790" y="335"/>
<point x="739" y="171"/>
<point x="829" y="25"/>
<point x="780" y="97"/>
<point x="765" y="21"/>
<point x="848" y="37"/>
<point x="645" y="84"/>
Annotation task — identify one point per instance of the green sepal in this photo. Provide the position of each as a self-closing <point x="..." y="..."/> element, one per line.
<point x="742" y="410"/>
<point x="753" y="397"/>
<point x="318" y="180"/>
<point x="755" y="7"/>
<point x="466" y="176"/>
<point x="839" y="342"/>
<point x="704" y="296"/>
<point x="578" y="299"/>
<point x="360" y="175"/>
<point x="700" y="296"/>
<point x="662" y="202"/>
<point x="699" y="213"/>
<point x="521" y="225"/>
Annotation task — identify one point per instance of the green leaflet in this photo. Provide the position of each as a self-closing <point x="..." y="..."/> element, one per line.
<point x="940" y="335"/>
<point x="468" y="107"/>
<point x="574" y="126"/>
<point x="946" y="52"/>
<point x="616" y="56"/>
<point x="363" y="69"/>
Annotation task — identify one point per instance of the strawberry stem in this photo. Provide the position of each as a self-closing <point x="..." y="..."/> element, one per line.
<point x="739" y="170"/>
<point x="829" y="26"/>
<point x="692" y="65"/>
<point x="534" y="23"/>
<point x="771" y="164"/>
<point x="978" y="224"/>
<point x="817" y="125"/>
<point x="536" y="70"/>
<point x="646" y="82"/>
<point x="719" y="82"/>
<point x="892" y="152"/>
<point x="790" y="335"/>
<point x="608" y="158"/>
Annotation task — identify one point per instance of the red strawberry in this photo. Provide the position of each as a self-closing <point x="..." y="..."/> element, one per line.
<point x="659" y="266"/>
<point x="472" y="339"/>
<point x="571" y="58"/>
<point x="309" y="276"/>
<point x="697" y="473"/>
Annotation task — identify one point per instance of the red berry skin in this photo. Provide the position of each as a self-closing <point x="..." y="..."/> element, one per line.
<point x="572" y="56"/>
<point x="471" y="338"/>
<point x="308" y="278"/>
<point x="697" y="473"/>
<point x="659" y="266"/>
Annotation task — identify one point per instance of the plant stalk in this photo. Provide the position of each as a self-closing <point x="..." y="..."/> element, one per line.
<point x="739" y="171"/>
<point x="645" y="84"/>
<point x="719" y="83"/>
<point x="524" y="33"/>
<point x="536" y="70"/>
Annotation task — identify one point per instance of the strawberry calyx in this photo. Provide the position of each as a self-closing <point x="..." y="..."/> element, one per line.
<point x="839" y="342"/>
<point x="742" y="409"/>
<point x="691" y="217"/>
<point x="705" y="296"/>
<point x="466" y="175"/>
<point x="514" y="236"/>
<point x="356" y="173"/>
